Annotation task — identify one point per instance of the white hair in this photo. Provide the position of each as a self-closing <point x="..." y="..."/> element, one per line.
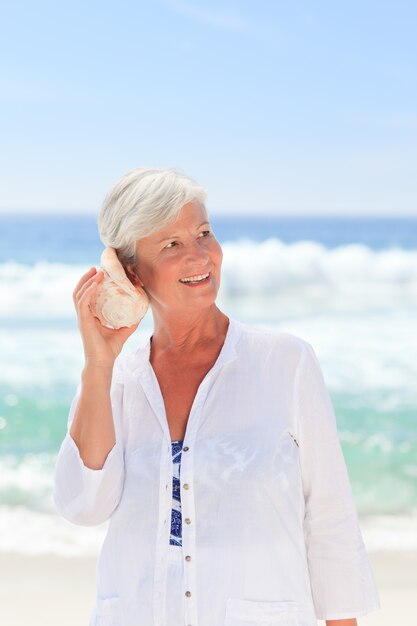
<point x="141" y="202"/>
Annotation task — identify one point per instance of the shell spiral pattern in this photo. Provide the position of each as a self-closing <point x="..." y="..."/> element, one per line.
<point x="117" y="302"/>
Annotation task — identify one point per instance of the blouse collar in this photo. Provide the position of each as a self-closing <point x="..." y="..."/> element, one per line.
<point x="139" y="360"/>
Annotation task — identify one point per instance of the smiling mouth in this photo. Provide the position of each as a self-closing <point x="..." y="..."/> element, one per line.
<point x="197" y="279"/>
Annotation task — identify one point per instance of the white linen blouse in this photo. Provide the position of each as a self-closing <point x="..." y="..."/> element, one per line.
<point x="270" y="532"/>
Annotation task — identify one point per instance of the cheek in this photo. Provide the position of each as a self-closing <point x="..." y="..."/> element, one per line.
<point x="168" y="270"/>
<point x="170" y="265"/>
<point x="153" y="273"/>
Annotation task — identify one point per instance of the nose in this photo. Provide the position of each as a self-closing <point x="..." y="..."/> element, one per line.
<point x="198" y="254"/>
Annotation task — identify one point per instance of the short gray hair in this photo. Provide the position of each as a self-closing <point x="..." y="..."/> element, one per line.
<point x="141" y="202"/>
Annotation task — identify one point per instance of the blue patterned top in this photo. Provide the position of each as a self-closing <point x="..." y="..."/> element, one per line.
<point x="176" y="534"/>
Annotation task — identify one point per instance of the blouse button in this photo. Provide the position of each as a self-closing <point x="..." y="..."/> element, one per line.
<point x="186" y="486"/>
<point x="187" y="520"/>
<point x="185" y="448"/>
<point x="188" y="558"/>
<point x="188" y="593"/>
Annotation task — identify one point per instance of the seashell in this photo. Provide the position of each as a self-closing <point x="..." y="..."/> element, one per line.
<point x="117" y="302"/>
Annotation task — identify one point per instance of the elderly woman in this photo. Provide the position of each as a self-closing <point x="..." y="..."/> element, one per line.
<point x="259" y="526"/>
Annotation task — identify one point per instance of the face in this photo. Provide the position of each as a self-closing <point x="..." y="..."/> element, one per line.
<point x="185" y="248"/>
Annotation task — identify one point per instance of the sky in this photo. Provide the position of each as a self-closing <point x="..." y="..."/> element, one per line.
<point x="282" y="108"/>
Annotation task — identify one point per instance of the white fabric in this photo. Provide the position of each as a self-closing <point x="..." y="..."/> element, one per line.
<point x="273" y="533"/>
<point x="175" y="600"/>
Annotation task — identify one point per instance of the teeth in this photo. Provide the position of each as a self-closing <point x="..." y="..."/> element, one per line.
<point x="193" y="278"/>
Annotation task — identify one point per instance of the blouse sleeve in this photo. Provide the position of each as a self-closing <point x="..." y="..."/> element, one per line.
<point x="341" y="578"/>
<point x="83" y="495"/>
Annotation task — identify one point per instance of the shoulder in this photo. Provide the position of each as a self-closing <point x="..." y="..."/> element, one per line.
<point x="270" y="341"/>
<point x="130" y="363"/>
<point x="264" y="336"/>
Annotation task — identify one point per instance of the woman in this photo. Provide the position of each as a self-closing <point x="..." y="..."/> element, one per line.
<point x="259" y="524"/>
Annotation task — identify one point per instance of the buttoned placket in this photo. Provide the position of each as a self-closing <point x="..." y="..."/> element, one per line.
<point x="152" y="390"/>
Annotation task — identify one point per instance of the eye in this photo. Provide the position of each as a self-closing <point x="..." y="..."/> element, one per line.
<point x="203" y="232"/>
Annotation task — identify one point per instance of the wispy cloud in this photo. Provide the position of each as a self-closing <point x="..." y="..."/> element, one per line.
<point x="221" y="19"/>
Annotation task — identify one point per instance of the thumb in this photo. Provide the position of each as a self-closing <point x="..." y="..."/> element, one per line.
<point x="128" y="330"/>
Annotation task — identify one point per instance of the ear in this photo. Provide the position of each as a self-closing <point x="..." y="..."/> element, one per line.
<point x="133" y="277"/>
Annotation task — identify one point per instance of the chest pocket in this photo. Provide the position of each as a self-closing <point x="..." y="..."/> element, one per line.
<point x="266" y="613"/>
<point x="108" y="612"/>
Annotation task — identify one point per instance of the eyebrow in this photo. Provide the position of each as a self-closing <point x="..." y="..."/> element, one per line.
<point x="174" y="236"/>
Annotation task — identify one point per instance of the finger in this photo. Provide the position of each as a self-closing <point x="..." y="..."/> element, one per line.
<point x="86" y="297"/>
<point x="84" y="278"/>
<point x="94" y="279"/>
<point x="127" y="331"/>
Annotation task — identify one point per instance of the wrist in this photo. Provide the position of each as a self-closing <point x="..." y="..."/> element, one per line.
<point x="104" y="367"/>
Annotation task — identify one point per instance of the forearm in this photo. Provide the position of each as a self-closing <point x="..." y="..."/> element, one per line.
<point x="341" y="622"/>
<point x="92" y="428"/>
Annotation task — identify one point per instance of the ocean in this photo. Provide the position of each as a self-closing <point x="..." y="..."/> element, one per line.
<point x="346" y="285"/>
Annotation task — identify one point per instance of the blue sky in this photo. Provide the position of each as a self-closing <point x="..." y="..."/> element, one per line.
<point x="278" y="108"/>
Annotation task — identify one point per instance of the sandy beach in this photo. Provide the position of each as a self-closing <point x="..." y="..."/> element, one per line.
<point x="52" y="590"/>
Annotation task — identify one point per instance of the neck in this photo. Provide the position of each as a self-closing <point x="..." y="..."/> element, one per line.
<point x="191" y="333"/>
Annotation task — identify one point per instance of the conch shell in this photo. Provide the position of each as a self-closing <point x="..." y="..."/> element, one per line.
<point x="117" y="302"/>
